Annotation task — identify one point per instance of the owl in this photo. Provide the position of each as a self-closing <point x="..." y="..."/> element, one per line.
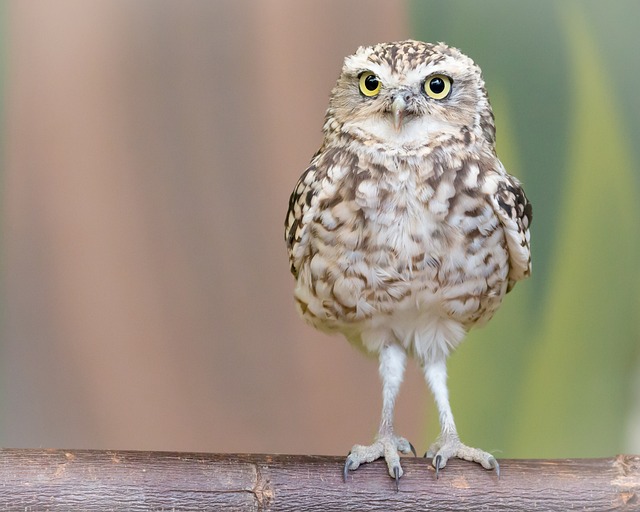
<point x="406" y="230"/>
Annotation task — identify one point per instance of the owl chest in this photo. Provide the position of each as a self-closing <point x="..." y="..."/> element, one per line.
<point x="380" y="245"/>
<point x="396" y="226"/>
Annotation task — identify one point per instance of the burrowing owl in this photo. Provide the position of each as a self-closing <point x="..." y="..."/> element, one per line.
<point x="405" y="230"/>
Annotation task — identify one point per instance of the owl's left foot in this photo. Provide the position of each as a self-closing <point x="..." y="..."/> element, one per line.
<point x="386" y="446"/>
<point x="450" y="446"/>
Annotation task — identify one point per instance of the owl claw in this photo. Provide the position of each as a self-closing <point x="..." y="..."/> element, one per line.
<point x="396" y="475"/>
<point x="413" y="450"/>
<point x="447" y="447"/>
<point x="495" y="466"/>
<point x="388" y="447"/>
<point x="437" y="464"/>
<point x="347" y="467"/>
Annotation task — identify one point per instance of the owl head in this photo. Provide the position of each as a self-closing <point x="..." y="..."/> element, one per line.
<point x="409" y="92"/>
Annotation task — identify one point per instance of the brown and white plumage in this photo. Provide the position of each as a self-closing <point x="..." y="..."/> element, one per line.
<point x="405" y="231"/>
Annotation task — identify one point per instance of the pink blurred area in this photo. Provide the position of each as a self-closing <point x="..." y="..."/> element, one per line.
<point x="151" y="147"/>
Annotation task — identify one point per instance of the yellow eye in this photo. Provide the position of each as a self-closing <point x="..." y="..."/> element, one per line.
<point x="369" y="84"/>
<point x="437" y="87"/>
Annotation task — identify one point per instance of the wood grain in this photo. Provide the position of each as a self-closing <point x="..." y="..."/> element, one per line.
<point x="86" y="480"/>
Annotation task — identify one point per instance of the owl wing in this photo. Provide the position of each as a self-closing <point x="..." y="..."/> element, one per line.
<point x="515" y="213"/>
<point x="294" y="225"/>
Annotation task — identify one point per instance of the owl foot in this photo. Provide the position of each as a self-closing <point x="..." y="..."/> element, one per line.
<point x="446" y="447"/>
<point x="384" y="446"/>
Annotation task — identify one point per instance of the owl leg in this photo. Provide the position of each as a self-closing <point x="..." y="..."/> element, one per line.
<point x="386" y="444"/>
<point x="448" y="443"/>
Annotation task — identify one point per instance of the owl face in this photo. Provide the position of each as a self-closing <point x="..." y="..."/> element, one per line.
<point x="409" y="92"/>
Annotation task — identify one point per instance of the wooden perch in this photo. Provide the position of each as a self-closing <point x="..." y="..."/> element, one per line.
<point x="82" y="480"/>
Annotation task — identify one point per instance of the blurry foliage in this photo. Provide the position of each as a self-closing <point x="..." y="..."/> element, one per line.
<point x="551" y="375"/>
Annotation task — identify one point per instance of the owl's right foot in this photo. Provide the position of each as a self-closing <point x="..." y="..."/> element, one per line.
<point x="386" y="446"/>
<point x="448" y="446"/>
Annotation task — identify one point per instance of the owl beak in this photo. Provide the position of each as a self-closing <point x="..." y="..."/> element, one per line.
<point x="398" y="109"/>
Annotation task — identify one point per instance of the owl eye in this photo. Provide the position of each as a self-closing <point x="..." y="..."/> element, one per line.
<point x="437" y="87"/>
<point x="369" y="84"/>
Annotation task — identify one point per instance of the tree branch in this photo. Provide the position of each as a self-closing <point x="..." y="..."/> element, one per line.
<point x="83" y="480"/>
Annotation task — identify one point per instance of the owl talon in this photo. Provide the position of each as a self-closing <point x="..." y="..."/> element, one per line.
<point x="437" y="464"/>
<point x="387" y="447"/>
<point x="347" y="467"/>
<point x="396" y="474"/>
<point x="450" y="446"/>
<point x="413" y="450"/>
<point x="495" y="466"/>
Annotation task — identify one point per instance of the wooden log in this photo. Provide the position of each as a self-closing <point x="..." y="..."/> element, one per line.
<point x="90" y="480"/>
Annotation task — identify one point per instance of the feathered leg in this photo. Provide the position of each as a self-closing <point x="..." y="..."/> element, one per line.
<point x="448" y="443"/>
<point x="386" y="444"/>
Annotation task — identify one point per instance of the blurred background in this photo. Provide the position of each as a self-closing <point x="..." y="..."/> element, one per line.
<point x="149" y="148"/>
